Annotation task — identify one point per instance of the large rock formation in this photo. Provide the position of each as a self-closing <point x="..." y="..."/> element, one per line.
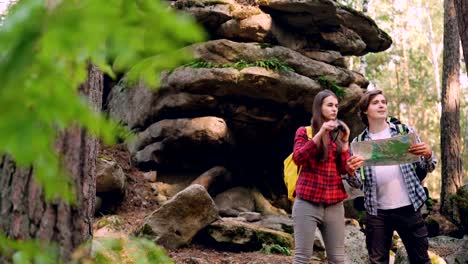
<point x="239" y="103"/>
<point x="299" y="25"/>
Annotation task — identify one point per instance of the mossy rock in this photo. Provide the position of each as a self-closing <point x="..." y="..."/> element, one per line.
<point x="457" y="208"/>
<point x="433" y="226"/>
<point x="232" y="235"/>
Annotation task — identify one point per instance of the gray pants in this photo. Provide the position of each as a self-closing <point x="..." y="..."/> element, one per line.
<point x="329" y="219"/>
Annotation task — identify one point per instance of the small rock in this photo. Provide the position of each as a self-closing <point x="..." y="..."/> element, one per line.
<point x="150" y="176"/>
<point x="251" y="216"/>
<point x="154" y="187"/>
<point x="193" y="260"/>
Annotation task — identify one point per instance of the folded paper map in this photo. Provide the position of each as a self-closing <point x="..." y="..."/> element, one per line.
<point x="389" y="151"/>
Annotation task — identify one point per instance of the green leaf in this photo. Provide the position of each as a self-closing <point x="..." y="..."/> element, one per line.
<point x="45" y="52"/>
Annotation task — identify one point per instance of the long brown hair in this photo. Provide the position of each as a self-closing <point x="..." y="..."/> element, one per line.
<point x="364" y="104"/>
<point x="318" y="120"/>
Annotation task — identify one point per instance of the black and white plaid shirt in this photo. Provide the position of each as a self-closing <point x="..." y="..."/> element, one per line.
<point x="416" y="191"/>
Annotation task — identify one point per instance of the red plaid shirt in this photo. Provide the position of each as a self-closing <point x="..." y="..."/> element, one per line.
<point x="320" y="181"/>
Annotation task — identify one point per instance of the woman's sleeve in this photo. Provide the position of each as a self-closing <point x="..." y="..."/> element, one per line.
<point x="304" y="149"/>
<point x="343" y="159"/>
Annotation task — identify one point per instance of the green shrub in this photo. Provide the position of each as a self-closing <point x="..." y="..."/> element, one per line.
<point x="275" y="248"/>
<point x="332" y="86"/>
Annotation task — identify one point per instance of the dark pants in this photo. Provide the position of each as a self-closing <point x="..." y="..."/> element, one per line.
<point x="410" y="227"/>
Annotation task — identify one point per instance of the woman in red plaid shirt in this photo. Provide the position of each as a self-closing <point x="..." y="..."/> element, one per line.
<point x="319" y="189"/>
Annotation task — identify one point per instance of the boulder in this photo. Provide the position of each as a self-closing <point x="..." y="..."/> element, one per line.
<point x="318" y="24"/>
<point x="234" y="201"/>
<point x="237" y="200"/>
<point x="224" y="51"/>
<point x="110" y="185"/>
<point x="233" y="235"/>
<point x="177" y="221"/>
<point x="442" y="249"/>
<point x="214" y="180"/>
<point x="355" y="245"/>
<point x="314" y="17"/>
<point x="193" y="141"/>
<point x="109" y="176"/>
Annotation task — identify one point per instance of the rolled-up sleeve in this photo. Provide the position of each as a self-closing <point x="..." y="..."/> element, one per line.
<point x="430" y="163"/>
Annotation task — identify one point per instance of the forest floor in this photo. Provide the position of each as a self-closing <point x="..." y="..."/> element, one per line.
<point x="139" y="201"/>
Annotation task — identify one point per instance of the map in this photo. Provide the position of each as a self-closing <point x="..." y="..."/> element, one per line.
<point x="389" y="151"/>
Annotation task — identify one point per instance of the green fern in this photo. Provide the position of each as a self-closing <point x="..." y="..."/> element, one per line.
<point x="273" y="64"/>
<point x="241" y="64"/>
<point x="332" y="86"/>
<point x="46" y="48"/>
<point x="122" y="250"/>
<point x="199" y="63"/>
<point x="275" y="248"/>
<point x="45" y="51"/>
<point x="264" y="45"/>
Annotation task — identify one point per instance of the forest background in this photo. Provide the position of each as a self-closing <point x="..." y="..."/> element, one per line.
<point x="410" y="71"/>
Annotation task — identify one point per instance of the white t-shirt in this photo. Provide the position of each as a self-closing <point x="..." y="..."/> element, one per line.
<point x="391" y="188"/>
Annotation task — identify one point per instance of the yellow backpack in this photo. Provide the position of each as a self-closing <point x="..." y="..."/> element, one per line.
<point x="291" y="171"/>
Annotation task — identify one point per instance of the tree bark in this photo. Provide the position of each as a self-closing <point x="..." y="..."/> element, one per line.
<point x="435" y="51"/>
<point x="452" y="177"/>
<point x="24" y="214"/>
<point x="461" y="7"/>
<point x="406" y="66"/>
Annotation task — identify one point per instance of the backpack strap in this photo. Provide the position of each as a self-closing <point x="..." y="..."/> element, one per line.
<point x="360" y="137"/>
<point x="363" y="177"/>
<point x="309" y="132"/>
<point x="402" y="129"/>
<point x="309" y="137"/>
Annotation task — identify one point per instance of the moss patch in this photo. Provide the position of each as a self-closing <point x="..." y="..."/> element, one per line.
<point x="332" y="86"/>
<point x="270" y="64"/>
<point x="271" y="239"/>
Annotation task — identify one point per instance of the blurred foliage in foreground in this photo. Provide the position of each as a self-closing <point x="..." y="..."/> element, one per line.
<point x="104" y="251"/>
<point x="45" y="49"/>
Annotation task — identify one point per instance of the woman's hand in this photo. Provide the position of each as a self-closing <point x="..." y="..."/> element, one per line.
<point x="344" y="135"/>
<point x="353" y="163"/>
<point x="328" y="126"/>
<point x="421" y="149"/>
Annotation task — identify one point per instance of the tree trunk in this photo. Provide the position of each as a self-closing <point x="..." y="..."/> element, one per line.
<point x="452" y="177"/>
<point x="406" y="74"/>
<point x="398" y="98"/>
<point x="461" y="7"/>
<point x="435" y="51"/>
<point x="24" y="214"/>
